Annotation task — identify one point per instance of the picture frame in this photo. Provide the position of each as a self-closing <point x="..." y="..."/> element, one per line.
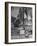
<point x="20" y="22"/>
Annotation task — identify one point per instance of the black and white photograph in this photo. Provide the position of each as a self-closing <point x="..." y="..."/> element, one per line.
<point x="20" y="22"/>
